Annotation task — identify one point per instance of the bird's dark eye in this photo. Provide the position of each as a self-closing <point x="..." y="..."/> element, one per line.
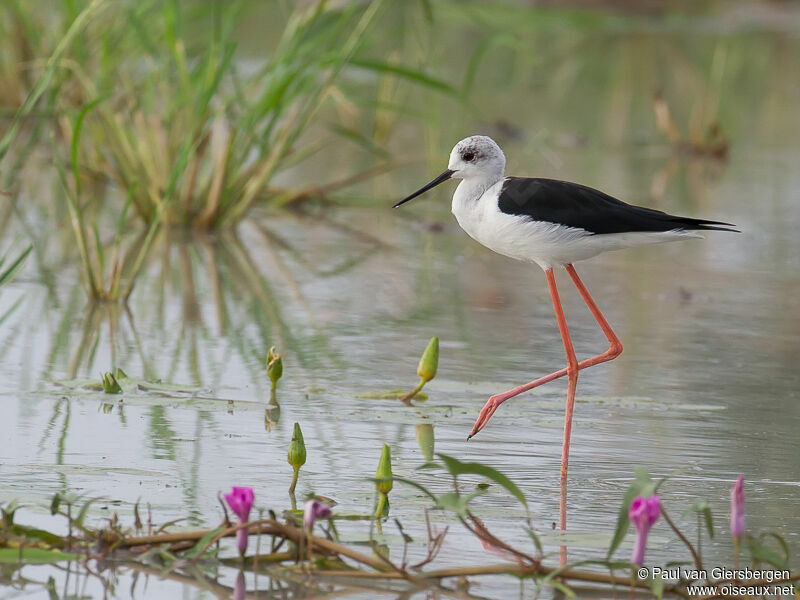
<point x="468" y="156"/>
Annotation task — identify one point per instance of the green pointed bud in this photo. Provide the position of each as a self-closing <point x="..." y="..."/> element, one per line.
<point x="274" y="366"/>
<point x="297" y="448"/>
<point x="297" y="455"/>
<point x="429" y="361"/>
<point x="425" y="440"/>
<point x="384" y="473"/>
<point x="110" y="384"/>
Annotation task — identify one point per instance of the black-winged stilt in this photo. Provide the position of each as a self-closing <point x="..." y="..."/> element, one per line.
<point x="550" y="223"/>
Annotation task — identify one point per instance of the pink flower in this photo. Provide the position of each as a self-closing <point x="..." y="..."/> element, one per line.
<point x="737" y="508"/>
<point x="643" y="512"/>
<point x="241" y="501"/>
<point x="313" y="510"/>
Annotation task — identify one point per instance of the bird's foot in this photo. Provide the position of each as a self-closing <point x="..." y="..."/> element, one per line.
<point x="486" y="413"/>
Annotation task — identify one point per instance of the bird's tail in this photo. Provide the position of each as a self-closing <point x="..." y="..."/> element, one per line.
<point x="705" y="225"/>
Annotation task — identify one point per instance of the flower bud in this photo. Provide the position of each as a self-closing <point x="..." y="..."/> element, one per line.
<point x="425" y="440"/>
<point x="110" y="384"/>
<point x="274" y="366"/>
<point x="737" y="508"/>
<point x="383" y="476"/>
<point x="297" y="448"/>
<point x="429" y="361"/>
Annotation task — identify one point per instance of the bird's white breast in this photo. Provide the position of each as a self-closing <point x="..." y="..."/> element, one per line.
<point x="475" y="207"/>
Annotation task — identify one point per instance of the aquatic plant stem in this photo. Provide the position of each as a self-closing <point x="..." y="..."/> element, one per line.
<point x="381" y="506"/>
<point x="294" y="480"/>
<point x="697" y="560"/>
<point x="406" y="399"/>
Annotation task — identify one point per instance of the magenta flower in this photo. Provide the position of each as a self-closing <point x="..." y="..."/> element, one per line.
<point x="313" y="510"/>
<point x="737" y="508"/>
<point x="643" y="512"/>
<point x="241" y="501"/>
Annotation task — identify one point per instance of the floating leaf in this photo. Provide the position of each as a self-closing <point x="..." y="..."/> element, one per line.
<point x="391" y="395"/>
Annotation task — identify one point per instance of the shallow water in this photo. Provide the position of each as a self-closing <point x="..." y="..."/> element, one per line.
<point x="706" y="389"/>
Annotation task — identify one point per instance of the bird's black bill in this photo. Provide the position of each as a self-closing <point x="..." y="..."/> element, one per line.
<point x="441" y="178"/>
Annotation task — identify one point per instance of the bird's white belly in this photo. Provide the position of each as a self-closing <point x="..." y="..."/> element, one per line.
<point x="540" y="242"/>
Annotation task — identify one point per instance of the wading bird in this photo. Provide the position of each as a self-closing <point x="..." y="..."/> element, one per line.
<point x="553" y="224"/>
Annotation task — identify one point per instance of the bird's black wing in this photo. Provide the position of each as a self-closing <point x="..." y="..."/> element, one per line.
<point x="575" y="205"/>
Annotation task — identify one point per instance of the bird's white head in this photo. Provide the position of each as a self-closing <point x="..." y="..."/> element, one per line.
<point x="476" y="158"/>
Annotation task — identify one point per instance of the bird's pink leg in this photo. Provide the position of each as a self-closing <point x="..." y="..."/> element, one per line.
<point x="572" y="375"/>
<point x="614" y="350"/>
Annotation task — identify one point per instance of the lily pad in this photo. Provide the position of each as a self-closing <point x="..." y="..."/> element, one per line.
<point x="33" y="556"/>
<point x="391" y="395"/>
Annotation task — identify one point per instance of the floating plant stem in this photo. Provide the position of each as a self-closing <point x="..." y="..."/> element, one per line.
<point x="297" y="455"/>
<point x="426" y="369"/>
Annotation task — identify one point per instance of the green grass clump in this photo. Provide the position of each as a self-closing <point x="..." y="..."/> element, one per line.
<point x="195" y="142"/>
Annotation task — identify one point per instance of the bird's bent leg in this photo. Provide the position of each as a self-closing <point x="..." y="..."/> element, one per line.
<point x="614" y="350"/>
<point x="615" y="346"/>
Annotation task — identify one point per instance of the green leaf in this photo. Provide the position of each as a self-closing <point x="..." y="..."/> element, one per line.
<point x="33" y="556"/>
<point x="55" y="503"/>
<point x="767" y="554"/>
<point x="456" y="467"/>
<point x="8" y="274"/>
<point x="702" y="507"/>
<point x="407" y="73"/>
<point x="201" y="544"/>
<point x="40" y="534"/>
<point x="535" y="539"/>
<point x="563" y="589"/>
<point x="75" y="145"/>
<point x="84" y="509"/>
<point x="453" y="501"/>
<point x="656" y="585"/>
<point x="642" y="485"/>
<point x="420" y="487"/>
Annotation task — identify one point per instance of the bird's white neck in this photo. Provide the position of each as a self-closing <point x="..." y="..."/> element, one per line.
<point x="472" y="188"/>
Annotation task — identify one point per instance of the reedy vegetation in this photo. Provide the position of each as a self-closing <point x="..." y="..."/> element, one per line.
<point x="180" y="554"/>
<point x="187" y="130"/>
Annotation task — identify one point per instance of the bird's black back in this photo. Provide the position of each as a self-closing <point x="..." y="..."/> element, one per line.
<point x="575" y="205"/>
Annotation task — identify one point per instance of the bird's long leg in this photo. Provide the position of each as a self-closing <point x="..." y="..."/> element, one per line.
<point x="572" y="375"/>
<point x="614" y="350"/>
